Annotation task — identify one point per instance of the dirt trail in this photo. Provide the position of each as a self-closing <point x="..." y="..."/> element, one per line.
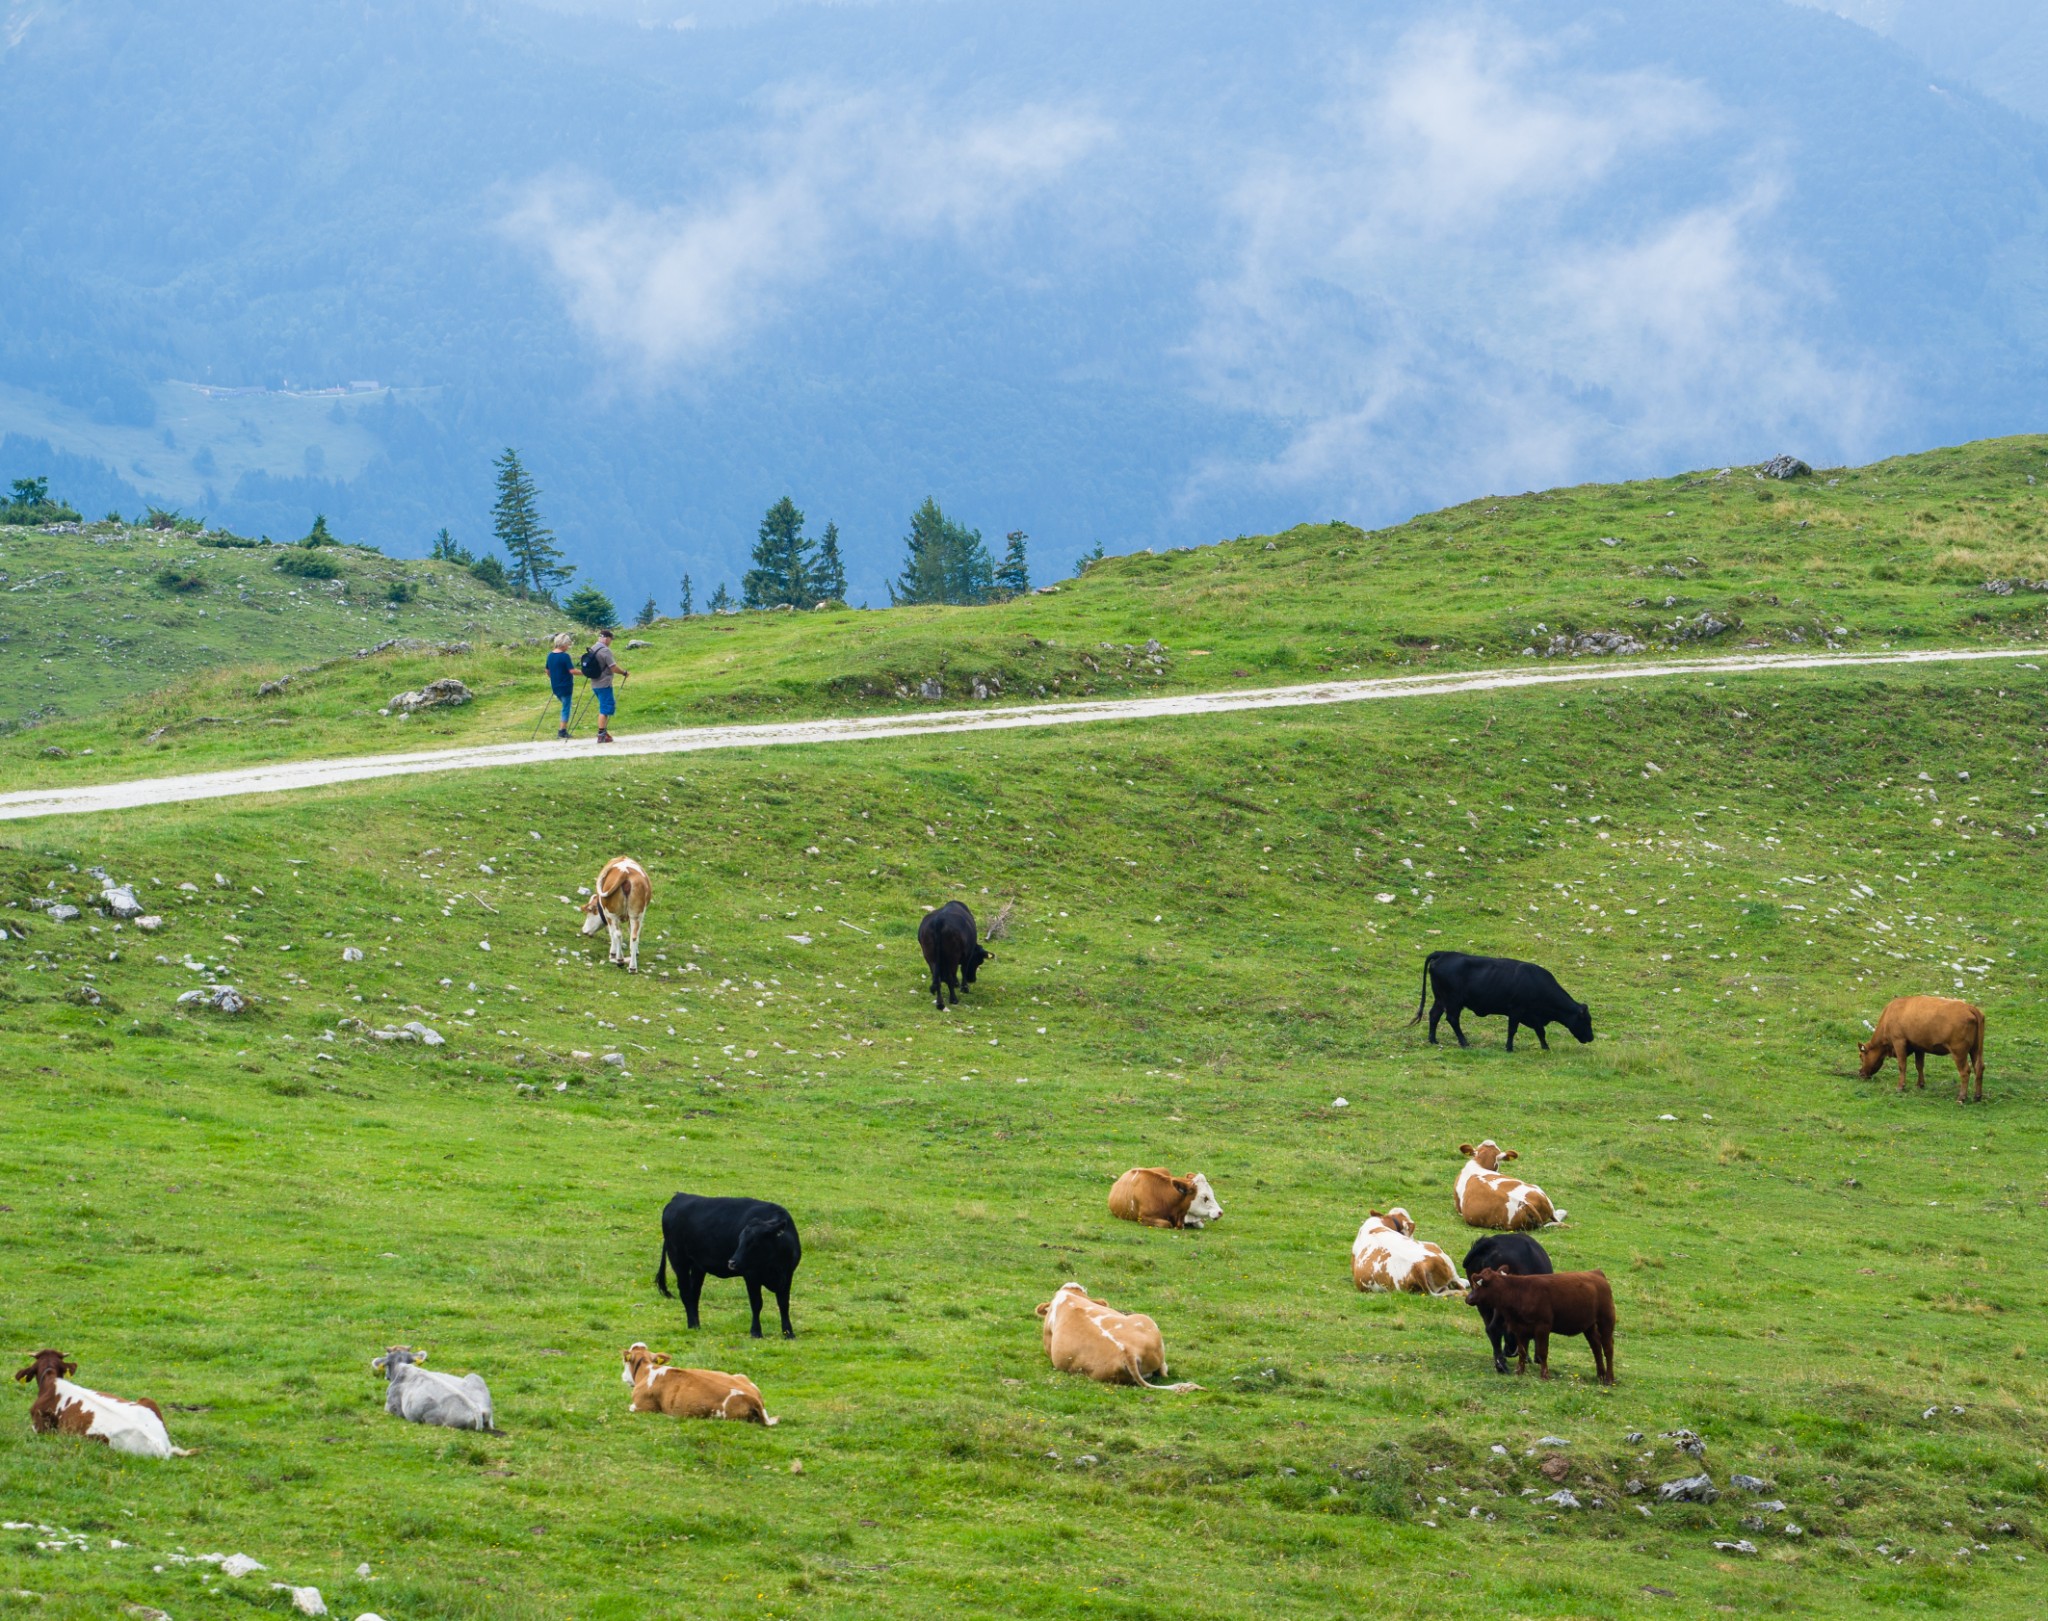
<point x="289" y="776"/>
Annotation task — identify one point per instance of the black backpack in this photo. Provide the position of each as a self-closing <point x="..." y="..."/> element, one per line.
<point x="589" y="664"/>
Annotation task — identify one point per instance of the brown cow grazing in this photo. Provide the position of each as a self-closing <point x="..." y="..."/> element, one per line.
<point x="1084" y="1335"/>
<point x="1920" y="1025"/>
<point x="1387" y="1257"/>
<point x="688" y="1392"/>
<point x="618" y="906"/>
<point x="1536" y="1307"/>
<point x="63" y="1408"/>
<point x="1157" y="1198"/>
<point x="1486" y="1198"/>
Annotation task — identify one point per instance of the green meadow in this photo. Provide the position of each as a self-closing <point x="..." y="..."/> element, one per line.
<point x="1216" y="934"/>
<point x="1897" y="554"/>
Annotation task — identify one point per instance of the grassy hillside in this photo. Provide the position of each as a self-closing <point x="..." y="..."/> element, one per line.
<point x="1896" y="554"/>
<point x="91" y="622"/>
<point x="1218" y="933"/>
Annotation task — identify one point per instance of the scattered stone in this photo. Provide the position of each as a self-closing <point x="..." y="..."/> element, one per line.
<point x="980" y="687"/>
<point x="87" y="996"/>
<point x="1552" y="1441"/>
<point x="1772" y="1506"/>
<point x="1272" y="545"/>
<point x="1600" y="643"/>
<point x="1635" y="1488"/>
<point x="1562" y="1498"/>
<point x="1750" y="1484"/>
<point x="931" y="687"/>
<point x="424" y="1036"/>
<point x="1610" y="540"/>
<point x="616" y="1058"/>
<point x="1687" y="1442"/>
<point x="149" y="923"/>
<point x="1153" y="647"/>
<point x="306" y="1600"/>
<point x="60" y="913"/>
<point x="1340" y="1103"/>
<point x="56" y="753"/>
<point x="221" y="998"/>
<point x="1784" y="467"/>
<point x="1692" y="1489"/>
<point x="444" y="693"/>
<point x="270" y="689"/>
<point x="1745" y="1545"/>
<point x="1554" y="1468"/>
<point x="1792" y="1530"/>
<point x="582" y="1055"/>
<point x="239" y="1564"/>
<point x="351" y="953"/>
<point x="120" y="900"/>
<point x="639" y="641"/>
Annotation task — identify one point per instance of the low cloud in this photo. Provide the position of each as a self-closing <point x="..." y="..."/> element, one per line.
<point x="667" y="289"/>
<point x="1502" y="272"/>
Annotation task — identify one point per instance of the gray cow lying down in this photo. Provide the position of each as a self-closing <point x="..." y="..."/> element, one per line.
<point x="420" y="1396"/>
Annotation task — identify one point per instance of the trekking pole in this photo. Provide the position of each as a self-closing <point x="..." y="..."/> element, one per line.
<point x="534" y="735"/>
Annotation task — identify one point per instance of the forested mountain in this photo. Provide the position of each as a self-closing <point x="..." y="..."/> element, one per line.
<point x="1123" y="275"/>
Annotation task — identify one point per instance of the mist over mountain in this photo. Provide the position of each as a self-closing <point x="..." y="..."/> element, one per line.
<point x="1135" y="275"/>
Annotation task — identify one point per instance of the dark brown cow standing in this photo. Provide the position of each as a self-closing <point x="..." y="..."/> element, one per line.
<point x="1534" y="1308"/>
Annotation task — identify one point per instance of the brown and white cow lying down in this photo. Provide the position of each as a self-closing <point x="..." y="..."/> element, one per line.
<point x="63" y="1408"/>
<point x="1506" y="1203"/>
<point x="1534" y="1307"/>
<point x="1155" y="1197"/>
<point x="617" y="906"/>
<point x="689" y="1392"/>
<point x="1084" y="1335"/>
<point x="1388" y="1258"/>
<point x="1920" y="1025"/>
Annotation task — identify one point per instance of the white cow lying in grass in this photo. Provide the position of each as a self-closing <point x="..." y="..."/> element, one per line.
<point x="422" y="1397"/>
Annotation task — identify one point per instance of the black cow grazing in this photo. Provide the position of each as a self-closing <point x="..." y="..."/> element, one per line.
<point x="1510" y="1252"/>
<point x="729" y="1238"/>
<point x="1486" y="986"/>
<point x="947" y="939"/>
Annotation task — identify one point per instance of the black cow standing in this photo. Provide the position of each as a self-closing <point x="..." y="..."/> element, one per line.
<point x="951" y="949"/>
<point x="1511" y="1252"/>
<point x="1486" y="986"/>
<point x="729" y="1238"/>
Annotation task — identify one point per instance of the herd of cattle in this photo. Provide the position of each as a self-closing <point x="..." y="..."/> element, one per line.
<point x="1508" y="1278"/>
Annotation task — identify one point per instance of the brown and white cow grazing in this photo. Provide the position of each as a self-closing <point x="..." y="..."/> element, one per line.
<point x="1155" y="1197"/>
<point x="618" y="906"/>
<point x="688" y="1392"/>
<point x="1388" y="1258"/>
<point x="1488" y="1199"/>
<point x="63" y="1408"/>
<point x="1085" y="1335"/>
<point x="1920" y="1025"/>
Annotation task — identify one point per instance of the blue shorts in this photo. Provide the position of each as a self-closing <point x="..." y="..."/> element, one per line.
<point x="607" y="703"/>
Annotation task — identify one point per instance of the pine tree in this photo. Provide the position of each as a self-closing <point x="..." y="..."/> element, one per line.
<point x="1088" y="560"/>
<point x="537" y="566"/>
<point x="828" y="571"/>
<point x="649" y="612"/>
<point x="781" y="558"/>
<point x="447" y="549"/>
<point x="319" y="534"/>
<point x="689" y="602"/>
<point x="942" y="561"/>
<point x="1014" y="577"/>
<point x="589" y="606"/>
<point x="721" y="600"/>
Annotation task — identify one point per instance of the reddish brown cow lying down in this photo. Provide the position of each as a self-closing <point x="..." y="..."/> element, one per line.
<point x="1920" y="1025"/>
<point x="688" y="1392"/>
<point x="1154" y="1197"/>
<point x="1084" y="1335"/>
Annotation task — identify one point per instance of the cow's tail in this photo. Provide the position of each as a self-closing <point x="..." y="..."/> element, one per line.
<point x="1423" y="1002"/>
<point x="1137" y="1369"/>
<point x="661" y="1270"/>
<point x="492" y="1429"/>
<point x="183" y="1452"/>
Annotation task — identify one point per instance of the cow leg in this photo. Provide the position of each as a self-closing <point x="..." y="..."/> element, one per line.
<point x="1920" y="1068"/>
<point x="754" y="1300"/>
<point x="1512" y="1026"/>
<point x="1436" y="1012"/>
<point x="1494" y="1334"/>
<point x="1962" y="1075"/>
<point x="1542" y="1355"/>
<point x="953" y="986"/>
<point x="611" y="930"/>
<point x="1522" y="1355"/>
<point x="938" y="1000"/>
<point x="633" y="947"/>
<point x="1457" y="1029"/>
<point x="1542" y="1040"/>
<point x="1980" y="1070"/>
<point x="782" y="1305"/>
<point x="690" y="1285"/>
<point x="1901" y="1051"/>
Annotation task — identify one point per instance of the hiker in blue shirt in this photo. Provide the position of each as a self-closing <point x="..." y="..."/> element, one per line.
<point x="562" y="679"/>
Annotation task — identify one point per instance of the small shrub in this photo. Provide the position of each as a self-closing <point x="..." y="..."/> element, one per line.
<point x="398" y="591"/>
<point x="306" y="567"/>
<point x="226" y="542"/>
<point x="491" y="571"/>
<point x="178" y="580"/>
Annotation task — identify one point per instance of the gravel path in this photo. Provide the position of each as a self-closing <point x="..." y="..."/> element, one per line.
<point x="289" y="776"/>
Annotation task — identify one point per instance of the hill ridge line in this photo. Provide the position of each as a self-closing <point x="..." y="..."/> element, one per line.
<point x="295" y="775"/>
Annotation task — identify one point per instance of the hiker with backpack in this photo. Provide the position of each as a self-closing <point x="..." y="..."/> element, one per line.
<point x="562" y="679"/>
<point x="599" y="666"/>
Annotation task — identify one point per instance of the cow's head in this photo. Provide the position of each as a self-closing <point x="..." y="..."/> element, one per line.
<point x="1485" y="1286"/>
<point x="593" y="914"/>
<point x="639" y="1361"/>
<point x="1488" y="1155"/>
<point x="767" y="1245"/>
<point x="399" y="1356"/>
<point x="47" y="1365"/>
<point x="1872" y="1057"/>
<point x="1580" y="1024"/>
<point x="1065" y="1294"/>
<point x="977" y="954"/>
<point x="1400" y="1221"/>
<point x="1206" y="1207"/>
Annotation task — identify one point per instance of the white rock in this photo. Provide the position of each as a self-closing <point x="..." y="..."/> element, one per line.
<point x="121" y="901"/>
<point x="615" y="1058"/>
<point x="149" y="923"/>
<point x="61" y="913"/>
<point x="306" y="1600"/>
<point x="576" y="1053"/>
<point x="363" y="1570"/>
<point x="428" y="1037"/>
<point x="239" y="1564"/>
<point x="1340" y="1103"/>
<point x="351" y="953"/>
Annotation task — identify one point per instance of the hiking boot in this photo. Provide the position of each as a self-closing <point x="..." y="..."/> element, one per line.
<point x="562" y="732"/>
<point x="604" y="737"/>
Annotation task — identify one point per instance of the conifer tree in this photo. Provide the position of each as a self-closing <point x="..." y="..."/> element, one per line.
<point x="942" y="561"/>
<point x="1014" y="577"/>
<point x="649" y="612"/>
<point x="689" y="601"/>
<point x="319" y="534"/>
<point x="537" y="566"/>
<point x="828" y="572"/>
<point x="721" y="600"/>
<point x="589" y="606"/>
<point x="781" y="556"/>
